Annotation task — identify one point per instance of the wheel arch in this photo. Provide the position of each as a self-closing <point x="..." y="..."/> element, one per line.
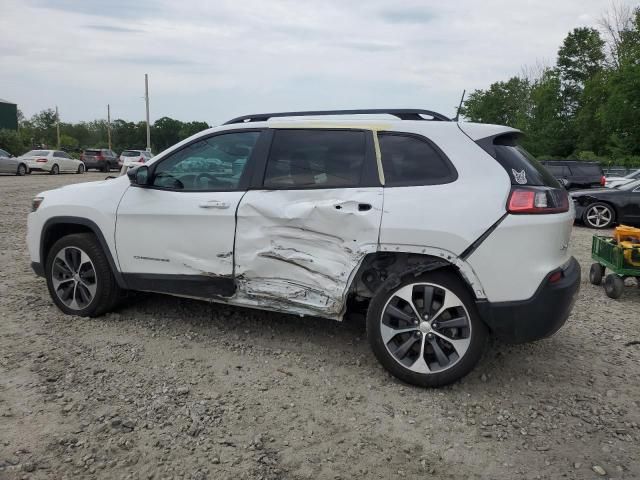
<point x="388" y="266"/>
<point x="57" y="227"/>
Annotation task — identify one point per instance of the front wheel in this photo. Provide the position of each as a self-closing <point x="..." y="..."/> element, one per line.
<point x="599" y="215"/>
<point x="79" y="278"/>
<point x="55" y="170"/>
<point x="80" y="168"/>
<point x="22" y="170"/>
<point x="427" y="330"/>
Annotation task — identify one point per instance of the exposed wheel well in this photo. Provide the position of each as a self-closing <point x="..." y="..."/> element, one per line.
<point x="389" y="268"/>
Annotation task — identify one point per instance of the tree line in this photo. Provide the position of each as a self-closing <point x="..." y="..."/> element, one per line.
<point x="40" y="131"/>
<point x="586" y="106"/>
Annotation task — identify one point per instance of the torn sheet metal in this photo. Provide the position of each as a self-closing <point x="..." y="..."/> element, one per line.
<point x="296" y="250"/>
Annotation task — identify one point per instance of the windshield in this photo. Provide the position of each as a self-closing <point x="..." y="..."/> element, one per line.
<point x="635" y="174"/>
<point x="37" y="153"/>
<point x="629" y="186"/>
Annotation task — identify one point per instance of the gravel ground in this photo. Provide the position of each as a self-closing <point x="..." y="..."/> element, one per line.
<point x="173" y="388"/>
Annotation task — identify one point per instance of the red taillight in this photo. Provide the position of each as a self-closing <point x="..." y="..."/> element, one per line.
<point x="141" y="160"/>
<point x="556" y="277"/>
<point x="537" y="200"/>
<point x="41" y="160"/>
<point x="603" y="180"/>
<point x="100" y="157"/>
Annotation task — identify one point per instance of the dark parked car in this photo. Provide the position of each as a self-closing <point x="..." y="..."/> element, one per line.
<point x="576" y="174"/>
<point x="601" y="208"/>
<point x="101" y="159"/>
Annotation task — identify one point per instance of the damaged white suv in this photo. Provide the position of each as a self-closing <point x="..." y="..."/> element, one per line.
<point x="450" y="231"/>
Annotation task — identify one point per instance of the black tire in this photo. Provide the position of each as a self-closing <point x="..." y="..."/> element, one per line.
<point x="477" y="332"/>
<point x="22" y="170"/>
<point x="596" y="272"/>
<point x="613" y="286"/>
<point x="80" y="169"/>
<point x="599" y="222"/>
<point x="55" y="170"/>
<point x="107" y="292"/>
<point x="105" y="167"/>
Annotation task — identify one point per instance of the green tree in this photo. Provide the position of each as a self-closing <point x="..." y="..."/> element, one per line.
<point x="549" y="130"/>
<point x="580" y="57"/>
<point x="504" y="103"/>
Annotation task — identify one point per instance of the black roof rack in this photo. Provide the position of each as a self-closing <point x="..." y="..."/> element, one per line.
<point x="401" y="113"/>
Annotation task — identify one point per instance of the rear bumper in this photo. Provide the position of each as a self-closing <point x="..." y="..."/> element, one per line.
<point x="540" y="316"/>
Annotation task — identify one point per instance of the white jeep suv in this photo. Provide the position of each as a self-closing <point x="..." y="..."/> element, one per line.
<point x="449" y="232"/>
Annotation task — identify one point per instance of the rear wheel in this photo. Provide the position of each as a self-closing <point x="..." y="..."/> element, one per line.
<point x="613" y="285"/>
<point x="80" y="168"/>
<point x="426" y="331"/>
<point x="55" y="170"/>
<point x="79" y="278"/>
<point x="596" y="272"/>
<point x="599" y="215"/>
<point x="105" y="167"/>
<point x="22" y="170"/>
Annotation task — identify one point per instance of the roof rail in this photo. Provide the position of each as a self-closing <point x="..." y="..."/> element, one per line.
<point x="401" y="113"/>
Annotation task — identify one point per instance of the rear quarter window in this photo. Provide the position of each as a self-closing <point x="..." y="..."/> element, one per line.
<point x="410" y="160"/>
<point x="520" y="165"/>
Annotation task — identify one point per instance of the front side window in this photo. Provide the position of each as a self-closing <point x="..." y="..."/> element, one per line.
<point x="212" y="164"/>
<point x="315" y="159"/>
<point x="3" y="153"/>
<point x="409" y="160"/>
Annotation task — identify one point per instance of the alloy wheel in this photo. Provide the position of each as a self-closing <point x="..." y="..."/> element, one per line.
<point x="599" y="216"/>
<point x="425" y="327"/>
<point x="74" y="279"/>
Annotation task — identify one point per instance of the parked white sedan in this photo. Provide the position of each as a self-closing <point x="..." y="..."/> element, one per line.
<point x="52" y="161"/>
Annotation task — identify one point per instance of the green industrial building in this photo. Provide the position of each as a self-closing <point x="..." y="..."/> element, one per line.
<point x="8" y="115"/>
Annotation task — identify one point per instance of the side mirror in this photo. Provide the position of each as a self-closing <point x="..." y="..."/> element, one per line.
<point x="139" y="175"/>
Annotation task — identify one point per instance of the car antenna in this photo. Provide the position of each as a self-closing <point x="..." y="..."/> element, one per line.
<point x="459" y="106"/>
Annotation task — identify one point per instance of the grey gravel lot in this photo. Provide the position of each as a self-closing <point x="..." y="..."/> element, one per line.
<point x="173" y="388"/>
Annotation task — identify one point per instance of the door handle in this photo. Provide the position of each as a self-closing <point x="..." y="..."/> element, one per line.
<point x="364" y="207"/>
<point x="214" y="204"/>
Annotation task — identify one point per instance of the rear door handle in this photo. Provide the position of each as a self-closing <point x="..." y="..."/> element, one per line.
<point x="214" y="204"/>
<point x="364" y="207"/>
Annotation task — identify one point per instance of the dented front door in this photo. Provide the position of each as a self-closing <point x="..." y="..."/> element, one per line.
<point x="298" y="246"/>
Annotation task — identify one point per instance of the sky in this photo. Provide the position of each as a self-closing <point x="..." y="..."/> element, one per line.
<point x="214" y="60"/>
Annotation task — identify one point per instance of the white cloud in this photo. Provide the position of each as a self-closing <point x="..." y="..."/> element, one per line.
<point x="215" y="60"/>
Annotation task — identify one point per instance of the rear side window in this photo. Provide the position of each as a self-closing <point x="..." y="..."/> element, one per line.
<point x="520" y="165"/>
<point x="412" y="160"/>
<point x="315" y="159"/>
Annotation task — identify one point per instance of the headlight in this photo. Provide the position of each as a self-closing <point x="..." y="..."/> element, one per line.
<point x="35" y="203"/>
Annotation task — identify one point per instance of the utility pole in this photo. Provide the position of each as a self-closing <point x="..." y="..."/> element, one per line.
<point x="58" y="126"/>
<point x="146" y="99"/>
<point x="109" y="124"/>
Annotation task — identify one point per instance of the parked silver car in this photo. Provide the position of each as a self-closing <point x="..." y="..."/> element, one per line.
<point x="11" y="164"/>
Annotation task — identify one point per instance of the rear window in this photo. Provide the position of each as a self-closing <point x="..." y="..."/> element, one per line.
<point x="558" y="170"/>
<point x="92" y="152"/>
<point x="586" y="169"/>
<point x="411" y="160"/>
<point x="520" y="165"/>
<point x="131" y="153"/>
<point x="37" y="153"/>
